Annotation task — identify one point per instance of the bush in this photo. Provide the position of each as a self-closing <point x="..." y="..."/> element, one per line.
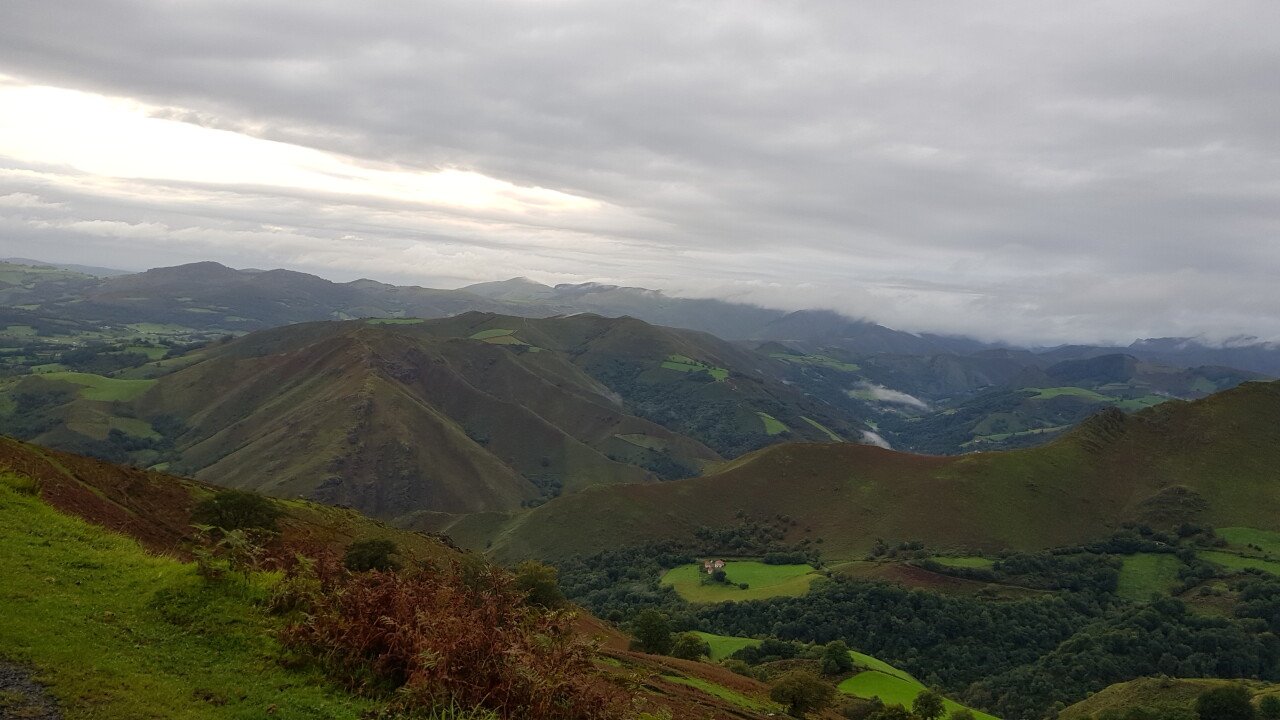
<point x="1269" y="707"/>
<point x="652" y="631"/>
<point x="435" y="640"/>
<point x="690" y="646"/>
<point x="1231" y="702"/>
<point x="237" y="510"/>
<point x="802" y="692"/>
<point x="364" y="555"/>
<point x="927" y="706"/>
<point x="836" y="659"/>
<point x="540" y="585"/>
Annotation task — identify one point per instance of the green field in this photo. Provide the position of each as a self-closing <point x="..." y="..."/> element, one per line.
<point x="1232" y="561"/>
<point x="681" y="363"/>
<point x="1053" y="392"/>
<point x="97" y="387"/>
<point x="1242" y="536"/>
<point x="772" y="425"/>
<point x="764" y="581"/>
<point x="1147" y="574"/>
<point x="648" y="442"/>
<point x="891" y="685"/>
<point x="158" y="328"/>
<point x="816" y="361"/>
<point x="491" y="334"/>
<point x="964" y="561"/>
<point x="151" y="351"/>
<point x="834" y="437"/>
<point x="117" y="633"/>
<point x="722" y="646"/>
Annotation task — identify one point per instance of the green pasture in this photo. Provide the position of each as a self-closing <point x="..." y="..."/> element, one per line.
<point x="964" y="561"/>
<point x="1231" y="561"/>
<point x="97" y="387"/>
<point x="723" y="646"/>
<point x="816" y="361"/>
<point x="1242" y="536"/>
<point x="763" y="581"/>
<point x="1147" y="574"/>
<point x="772" y="425"/>
<point x="682" y="363"/>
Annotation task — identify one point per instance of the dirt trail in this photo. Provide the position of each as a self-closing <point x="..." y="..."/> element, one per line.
<point x="21" y="698"/>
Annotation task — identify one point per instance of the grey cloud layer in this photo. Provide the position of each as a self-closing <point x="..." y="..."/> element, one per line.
<point x="1048" y="171"/>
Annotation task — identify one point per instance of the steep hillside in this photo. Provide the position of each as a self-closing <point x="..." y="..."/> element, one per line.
<point x="470" y="413"/>
<point x="1211" y="461"/>
<point x="400" y="417"/>
<point x="104" y="619"/>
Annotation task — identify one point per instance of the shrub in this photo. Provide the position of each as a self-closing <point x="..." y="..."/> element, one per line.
<point x="802" y="692"/>
<point x="1231" y="702"/>
<point x="436" y="640"/>
<point x="836" y="659"/>
<point x="364" y="555"/>
<point x="1269" y="707"/>
<point x="237" y="510"/>
<point x="690" y="646"/>
<point x="540" y="584"/>
<point x="927" y="706"/>
<point x="652" y="631"/>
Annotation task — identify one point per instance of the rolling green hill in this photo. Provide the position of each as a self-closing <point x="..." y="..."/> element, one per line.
<point x="1211" y="461"/>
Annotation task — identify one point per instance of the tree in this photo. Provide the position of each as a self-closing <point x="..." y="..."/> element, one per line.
<point x="690" y="646"/>
<point x="365" y="555"/>
<point x="961" y="714"/>
<point x="1269" y="707"/>
<point x="835" y="658"/>
<point x="927" y="705"/>
<point x="1231" y="702"/>
<point x="652" y="631"/>
<point x="237" y="510"/>
<point x="802" y="692"/>
<point x="540" y="584"/>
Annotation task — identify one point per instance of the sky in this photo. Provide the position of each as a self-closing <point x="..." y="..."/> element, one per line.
<point x="1027" y="171"/>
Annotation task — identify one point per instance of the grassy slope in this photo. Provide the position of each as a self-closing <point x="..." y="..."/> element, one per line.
<point x="765" y="581"/>
<point x="1172" y="698"/>
<point x="1211" y="460"/>
<point x="445" y="424"/>
<point x="118" y="633"/>
<point x="121" y="633"/>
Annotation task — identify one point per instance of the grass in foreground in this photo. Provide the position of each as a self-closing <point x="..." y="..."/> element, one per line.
<point x="118" y="634"/>
<point x="763" y="581"/>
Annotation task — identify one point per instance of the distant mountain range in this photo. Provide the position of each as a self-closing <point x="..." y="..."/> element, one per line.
<point x="207" y="296"/>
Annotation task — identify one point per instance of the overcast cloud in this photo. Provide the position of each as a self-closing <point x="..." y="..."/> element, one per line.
<point x="1033" y="171"/>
